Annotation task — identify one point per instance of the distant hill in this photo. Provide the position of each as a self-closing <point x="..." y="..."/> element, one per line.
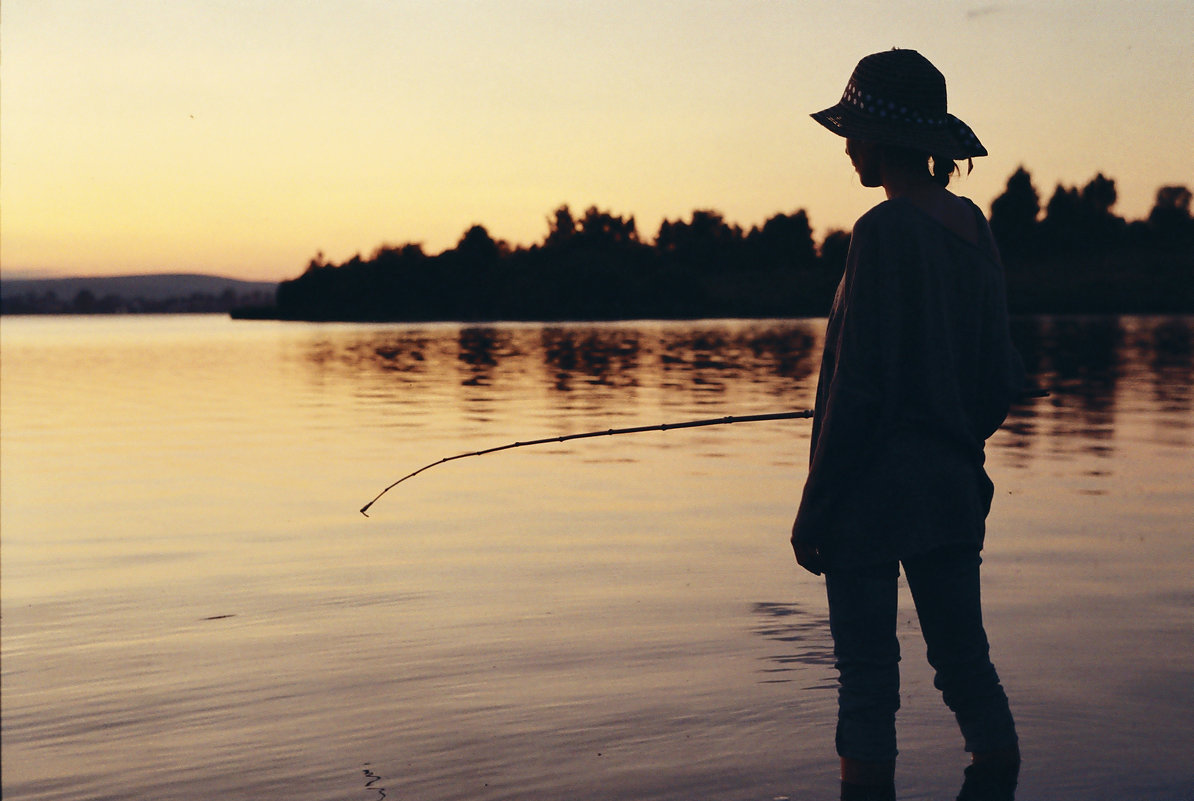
<point x="154" y="293"/>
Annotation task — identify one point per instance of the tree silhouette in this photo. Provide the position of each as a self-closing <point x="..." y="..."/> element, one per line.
<point x="602" y="230"/>
<point x="1078" y="256"/>
<point x="1078" y="221"/>
<point x="1099" y="196"/>
<point x="1170" y="216"/>
<point x="833" y="251"/>
<point x="85" y="302"/>
<point x="478" y="250"/>
<point x="707" y="242"/>
<point x="1014" y="216"/>
<point x="1061" y="229"/>
<point x="784" y="242"/>
<point x="561" y="227"/>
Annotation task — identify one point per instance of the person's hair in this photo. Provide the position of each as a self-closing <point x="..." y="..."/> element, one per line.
<point x="942" y="168"/>
<point x="939" y="168"/>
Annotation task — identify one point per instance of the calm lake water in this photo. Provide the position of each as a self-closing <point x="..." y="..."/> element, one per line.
<point x="194" y="609"/>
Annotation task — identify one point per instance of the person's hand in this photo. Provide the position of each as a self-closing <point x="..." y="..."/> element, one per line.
<point x="808" y="554"/>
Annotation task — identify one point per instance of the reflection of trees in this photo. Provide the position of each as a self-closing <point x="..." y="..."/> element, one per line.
<point x="382" y="352"/>
<point x="1089" y="364"/>
<point x="1078" y="360"/>
<point x="377" y="362"/>
<point x="712" y="360"/>
<point x="599" y="356"/>
<point x="479" y="350"/>
<point x="1170" y="356"/>
<point x="1098" y="369"/>
<point x="703" y="358"/>
<point x="787" y="352"/>
<point x="1082" y="356"/>
<point x="704" y="361"/>
<point x="778" y="357"/>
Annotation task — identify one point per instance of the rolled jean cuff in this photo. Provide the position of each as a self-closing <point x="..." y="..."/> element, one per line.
<point x="865" y="741"/>
<point x="993" y="731"/>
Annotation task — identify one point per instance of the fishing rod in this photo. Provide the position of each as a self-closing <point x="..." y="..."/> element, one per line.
<point x="715" y="421"/>
<point x="609" y="432"/>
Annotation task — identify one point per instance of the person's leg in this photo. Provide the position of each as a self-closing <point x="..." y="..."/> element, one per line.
<point x="945" y="589"/>
<point x="985" y="782"/>
<point x="862" y="619"/>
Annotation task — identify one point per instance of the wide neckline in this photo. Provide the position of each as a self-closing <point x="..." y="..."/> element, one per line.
<point x="977" y="244"/>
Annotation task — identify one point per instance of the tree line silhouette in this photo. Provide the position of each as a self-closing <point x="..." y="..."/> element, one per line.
<point x="1074" y="254"/>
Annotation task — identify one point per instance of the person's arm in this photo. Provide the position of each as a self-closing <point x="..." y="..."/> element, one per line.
<point x="864" y="357"/>
<point x="1004" y="379"/>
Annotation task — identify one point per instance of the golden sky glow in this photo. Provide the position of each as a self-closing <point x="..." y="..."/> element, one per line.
<point x="240" y="137"/>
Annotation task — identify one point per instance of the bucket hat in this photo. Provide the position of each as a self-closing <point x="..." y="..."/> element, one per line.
<point x="897" y="97"/>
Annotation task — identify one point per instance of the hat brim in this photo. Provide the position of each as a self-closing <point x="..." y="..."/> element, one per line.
<point x="953" y="139"/>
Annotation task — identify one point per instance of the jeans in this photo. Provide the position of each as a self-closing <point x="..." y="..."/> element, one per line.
<point x="862" y="619"/>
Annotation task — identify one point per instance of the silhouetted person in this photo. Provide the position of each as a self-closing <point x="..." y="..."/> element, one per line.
<point x="918" y="371"/>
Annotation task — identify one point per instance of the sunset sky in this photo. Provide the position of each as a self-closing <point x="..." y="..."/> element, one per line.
<point x="240" y="137"/>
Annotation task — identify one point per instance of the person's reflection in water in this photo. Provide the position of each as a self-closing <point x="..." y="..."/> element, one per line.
<point x="918" y="370"/>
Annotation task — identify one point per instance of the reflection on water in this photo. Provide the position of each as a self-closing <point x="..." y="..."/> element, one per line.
<point x="695" y="357"/>
<point x="807" y="632"/>
<point x="194" y="609"/>
<point x="373" y="782"/>
<point x="1090" y="366"/>
<point x="1101" y="372"/>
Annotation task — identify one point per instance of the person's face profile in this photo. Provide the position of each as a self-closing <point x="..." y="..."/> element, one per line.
<point x="864" y="157"/>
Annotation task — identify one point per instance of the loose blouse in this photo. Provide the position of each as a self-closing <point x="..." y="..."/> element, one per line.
<point x="918" y="371"/>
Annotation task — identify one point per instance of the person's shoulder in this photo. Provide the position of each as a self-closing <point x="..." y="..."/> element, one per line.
<point x="894" y="211"/>
<point x="889" y="216"/>
<point x="880" y="238"/>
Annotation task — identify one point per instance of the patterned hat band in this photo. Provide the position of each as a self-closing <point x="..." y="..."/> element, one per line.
<point x="888" y="109"/>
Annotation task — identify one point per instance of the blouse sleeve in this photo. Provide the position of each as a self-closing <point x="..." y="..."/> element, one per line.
<point x="865" y="357"/>
<point x="1004" y="377"/>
